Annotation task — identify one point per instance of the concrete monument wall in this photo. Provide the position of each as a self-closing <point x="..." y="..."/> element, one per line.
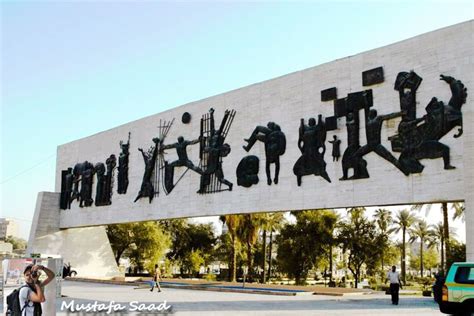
<point x="286" y="100"/>
<point x="87" y="249"/>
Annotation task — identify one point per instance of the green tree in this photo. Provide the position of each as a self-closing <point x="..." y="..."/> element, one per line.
<point x="233" y="223"/>
<point x="437" y="240"/>
<point x="193" y="261"/>
<point x="458" y="253"/>
<point x="391" y="256"/>
<point x="17" y="243"/>
<point x="403" y="221"/>
<point x="145" y="242"/>
<point x="275" y="222"/>
<point x="420" y="232"/>
<point x="226" y="249"/>
<point x="359" y="237"/>
<point x="248" y="232"/>
<point x="430" y="260"/>
<point x="301" y="244"/>
<point x="383" y="218"/>
<point x="264" y="223"/>
<point x="188" y="242"/>
<point x="121" y="238"/>
<point x="333" y="242"/>
<point x="458" y="208"/>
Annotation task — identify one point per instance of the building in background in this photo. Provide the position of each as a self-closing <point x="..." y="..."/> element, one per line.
<point x="9" y="227"/>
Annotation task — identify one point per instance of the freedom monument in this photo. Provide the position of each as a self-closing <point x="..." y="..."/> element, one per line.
<point x="389" y="126"/>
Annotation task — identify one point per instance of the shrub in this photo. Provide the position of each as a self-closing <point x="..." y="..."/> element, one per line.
<point x="209" y="277"/>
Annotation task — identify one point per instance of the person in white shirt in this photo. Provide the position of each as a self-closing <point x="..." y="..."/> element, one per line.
<point x="31" y="295"/>
<point x="395" y="284"/>
<point x="156" y="278"/>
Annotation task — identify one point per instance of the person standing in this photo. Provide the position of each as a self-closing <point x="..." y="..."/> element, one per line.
<point x="156" y="276"/>
<point x="395" y="284"/>
<point x="32" y="295"/>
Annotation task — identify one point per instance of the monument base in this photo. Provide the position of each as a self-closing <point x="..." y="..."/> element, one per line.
<point x="86" y="249"/>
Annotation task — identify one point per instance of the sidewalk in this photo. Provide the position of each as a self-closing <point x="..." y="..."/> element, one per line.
<point x="273" y="289"/>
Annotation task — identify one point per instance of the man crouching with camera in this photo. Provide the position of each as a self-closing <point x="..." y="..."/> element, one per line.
<point x="32" y="295"/>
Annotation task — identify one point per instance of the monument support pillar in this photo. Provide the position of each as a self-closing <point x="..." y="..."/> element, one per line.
<point x="87" y="249"/>
<point x="468" y="156"/>
<point x="469" y="210"/>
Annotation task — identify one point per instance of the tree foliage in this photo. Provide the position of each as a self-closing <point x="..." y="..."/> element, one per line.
<point x="17" y="243"/>
<point x="233" y="223"/>
<point x="191" y="244"/>
<point x="144" y="243"/>
<point x="404" y="219"/>
<point x="225" y="251"/>
<point x="300" y="245"/>
<point x="383" y="220"/>
<point x="430" y="260"/>
<point x="360" y="238"/>
<point x="420" y="232"/>
<point x="457" y="253"/>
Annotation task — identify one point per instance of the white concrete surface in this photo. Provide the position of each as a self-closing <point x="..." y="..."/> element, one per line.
<point x="285" y="100"/>
<point x="87" y="250"/>
<point x="189" y="302"/>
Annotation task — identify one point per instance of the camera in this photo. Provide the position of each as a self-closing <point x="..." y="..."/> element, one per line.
<point x="35" y="274"/>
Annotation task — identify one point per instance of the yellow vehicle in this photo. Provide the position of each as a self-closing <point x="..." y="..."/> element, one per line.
<point x="458" y="290"/>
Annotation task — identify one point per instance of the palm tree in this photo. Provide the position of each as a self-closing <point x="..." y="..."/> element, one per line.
<point x="276" y="222"/>
<point x="233" y="223"/>
<point x="420" y="231"/>
<point x="248" y="233"/>
<point x="458" y="208"/>
<point x="383" y="218"/>
<point x="332" y="243"/>
<point x="268" y="222"/>
<point x="403" y="221"/>
<point x="264" y="219"/>
<point x="437" y="239"/>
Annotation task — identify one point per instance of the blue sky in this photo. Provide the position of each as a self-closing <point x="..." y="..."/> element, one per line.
<point x="70" y="69"/>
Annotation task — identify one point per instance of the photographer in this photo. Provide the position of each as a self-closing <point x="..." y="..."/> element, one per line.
<point x="32" y="295"/>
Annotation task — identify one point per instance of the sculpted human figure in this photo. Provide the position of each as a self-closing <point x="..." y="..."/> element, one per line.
<point x="418" y="138"/>
<point x="67" y="182"/>
<point x="111" y="162"/>
<point x="373" y="127"/>
<point x="69" y="185"/>
<point x="123" y="167"/>
<point x="275" y="146"/>
<point x="336" y="152"/>
<point x="406" y="84"/>
<point x="183" y="160"/>
<point x="101" y="185"/>
<point x="311" y="144"/>
<point x="421" y="142"/>
<point x="247" y="171"/>
<point x="83" y="174"/>
<point x="214" y="163"/>
<point x="349" y="160"/>
<point x="86" y="187"/>
<point x="147" y="189"/>
<point x="216" y="150"/>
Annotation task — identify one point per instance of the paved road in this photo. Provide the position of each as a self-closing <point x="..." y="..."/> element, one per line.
<point x="194" y="302"/>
